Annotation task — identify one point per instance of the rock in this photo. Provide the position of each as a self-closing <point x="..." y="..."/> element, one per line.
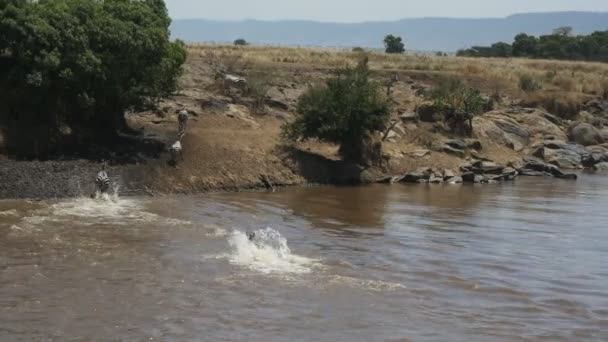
<point x="473" y="144"/>
<point x="399" y="129"/>
<point x="274" y="103"/>
<point x="448" y="174"/>
<point x="532" y="173"/>
<point x="454" y="180"/>
<point x="500" y="128"/>
<point x="466" y="167"/>
<point x="420" y="153"/>
<point x="487" y="167"/>
<point x="409" y="117"/>
<point x="603" y="166"/>
<point x="585" y="134"/>
<point x="429" y="113"/>
<point x="457" y="144"/>
<point x="567" y="176"/>
<point x="564" y="159"/>
<point x="495" y="178"/>
<point x="422" y="173"/>
<point x="436" y="179"/>
<point x="509" y="173"/>
<point x="468" y="177"/>
<point x="537" y="165"/>
<point x="477" y="156"/>
<point x="450" y="150"/>
<point x="480" y="179"/>
<point x="390" y="179"/>
<point x="392" y="135"/>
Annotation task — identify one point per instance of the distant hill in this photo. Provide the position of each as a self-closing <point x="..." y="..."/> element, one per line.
<point x="424" y="34"/>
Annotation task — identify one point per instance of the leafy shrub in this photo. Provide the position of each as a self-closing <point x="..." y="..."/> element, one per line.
<point x="81" y="64"/>
<point x="459" y="103"/>
<point x="394" y="44"/>
<point x="240" y="42"/>
<point x="358" y="49"/>
<point x="529" y="84"/>
<point x="259" y="83"/>
<point x="347" y="110"/>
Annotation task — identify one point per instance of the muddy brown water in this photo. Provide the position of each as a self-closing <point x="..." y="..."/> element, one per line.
<point x="507" y="262"/>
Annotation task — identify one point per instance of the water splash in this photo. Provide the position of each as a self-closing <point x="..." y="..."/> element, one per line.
<point x="104" y="209"/>
<point x="267" y="253"/>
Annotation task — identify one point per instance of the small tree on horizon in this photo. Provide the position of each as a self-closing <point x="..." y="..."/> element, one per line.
<point x="347" y="110"/>
<point x="240" y="42"/>
<point x="394" y="44"/>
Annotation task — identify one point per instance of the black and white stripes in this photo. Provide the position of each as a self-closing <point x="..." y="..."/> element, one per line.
<point x="231" y="81"/>
<point x="102" y="181"/>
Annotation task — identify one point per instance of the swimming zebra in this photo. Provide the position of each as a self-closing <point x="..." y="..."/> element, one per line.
<point x="182" y="122"/>
<point x="231" y="81"/>
<point x="102" y="181"/>
<point x="176" y="150"/>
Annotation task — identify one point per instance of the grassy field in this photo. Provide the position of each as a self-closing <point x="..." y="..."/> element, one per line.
<point x="570" y="79"/>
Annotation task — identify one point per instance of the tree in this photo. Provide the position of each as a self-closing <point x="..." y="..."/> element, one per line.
<point x="347" y="110"/>
<point x="525" y="45"/>
<point x="459" y="103"/>
<point x="81" y="64"/>
<point x="240" y="42"/>
<point x="394" y="44"/>
<point x="501" y="49"/>
<point x="563" y="31"/>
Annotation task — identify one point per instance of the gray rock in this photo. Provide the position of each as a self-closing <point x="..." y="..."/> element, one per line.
<point x="420" y="153"/>
<point x="473" y="143"/>
<point x="468" y="177"/>
<point x="456" y="143"/>
<point x="448" y="174"/>
<point x="421" y="174"/>
<point x="454" y="180"/>
<point x="436" y="179"/>
<point x="480" y="179"/>
<point x="603" y="166"/>
<point x="409" y="117"/>
<point x="532" y="173"/>
<point x="585" y="134"/>
<point x="565" y="159"/>
<point x="487" y="167"/>
<point x="450" y="150"/>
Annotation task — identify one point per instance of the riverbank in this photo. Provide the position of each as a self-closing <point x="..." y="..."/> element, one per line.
<point x="234" y="141"/>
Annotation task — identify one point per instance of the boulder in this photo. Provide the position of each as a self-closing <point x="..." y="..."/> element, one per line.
<point x="456" y="143"/>
<point x="436" y="178"/>
<point x="473" y="144"/>
<point x="409" y="117"/>
<point x="448" y="174"/>
<point x="468" y="177"/>
<point x="532" y="173"/>
<point x="509" y="173"/>
<point x="500" y="128"/>
<point x="603" y="166"/>
<point x="565" y="159"/>
<point x="390" y="179"/>
<point x="420" y="153"/>
<point x="454" y="180"/>
<point x="420" y="174"/>
<point x="540" y="166"/>
<point x="450" y="150"/>
<point x="585" y="134"/>
<point x="487" y="167"/>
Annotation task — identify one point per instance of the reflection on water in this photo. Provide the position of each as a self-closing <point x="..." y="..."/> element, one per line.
<point x="525" y="260"/>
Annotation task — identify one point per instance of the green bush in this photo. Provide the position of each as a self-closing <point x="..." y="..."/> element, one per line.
<point x="529" y="84"/>
<point x="394" y="44"/>
<point x="240" y="42"/>
<point x="459" y="104"/>
<point x="347" y="110"/>
<point x="82" y="63"/>
<point x="358" y="49"/>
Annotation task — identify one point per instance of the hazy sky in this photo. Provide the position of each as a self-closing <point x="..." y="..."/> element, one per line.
<point x="366" y="10"/>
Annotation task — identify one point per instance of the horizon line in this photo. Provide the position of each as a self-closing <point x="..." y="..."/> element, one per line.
<point x="385" y="21"/>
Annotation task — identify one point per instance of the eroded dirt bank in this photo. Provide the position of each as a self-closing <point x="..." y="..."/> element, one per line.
<point x="232" y="146"/>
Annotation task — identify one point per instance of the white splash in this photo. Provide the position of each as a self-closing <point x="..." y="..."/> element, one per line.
<point x="267" y="253"/>
<point x="107" y="209"/>
<point x="12" y="212"/>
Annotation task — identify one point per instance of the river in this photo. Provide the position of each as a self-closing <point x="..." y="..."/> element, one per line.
<point x="526" y="260"/>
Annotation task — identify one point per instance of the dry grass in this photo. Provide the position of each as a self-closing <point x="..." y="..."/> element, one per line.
<point x="489" y="73"/>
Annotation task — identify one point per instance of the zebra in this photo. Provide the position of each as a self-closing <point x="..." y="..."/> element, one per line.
<point x="102" y="181"/>
<point x="176" y="150"/>
<point x="182" y="122"/>
<point x="231" y="81"/>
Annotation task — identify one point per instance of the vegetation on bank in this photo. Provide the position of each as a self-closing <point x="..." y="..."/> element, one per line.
<point x="69" y="69"/>
<point x="561" y="44"/>
<point x="347" y="110"/>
